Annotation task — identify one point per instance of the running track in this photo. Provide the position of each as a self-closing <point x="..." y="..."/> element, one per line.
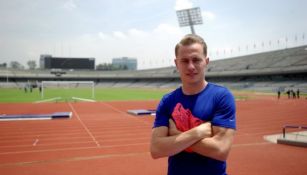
<point x="101" y="138"/>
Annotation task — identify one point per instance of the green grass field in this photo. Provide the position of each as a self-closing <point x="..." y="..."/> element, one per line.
<point x="12" y="95"/>
<point x="15" y="95"/>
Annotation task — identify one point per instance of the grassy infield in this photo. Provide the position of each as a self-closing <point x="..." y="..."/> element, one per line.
<point x="101" y="94"/>
<point x="11" y="95"/>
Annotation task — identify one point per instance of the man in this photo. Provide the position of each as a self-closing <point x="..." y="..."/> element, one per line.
<point x="278" y="93"/>
<point x="195" y="124"/>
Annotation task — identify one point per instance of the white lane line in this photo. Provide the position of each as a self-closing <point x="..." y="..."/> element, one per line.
<point x="251" y="144"/>
<point x="35" y="142"/>
<point x="72" y="149"/>
<point x="71" y="159"/>
<point x="84" y="126"/>
<point x="124" y="113"/>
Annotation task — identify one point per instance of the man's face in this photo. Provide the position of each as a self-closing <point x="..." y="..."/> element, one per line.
<point x="191" y="63"/>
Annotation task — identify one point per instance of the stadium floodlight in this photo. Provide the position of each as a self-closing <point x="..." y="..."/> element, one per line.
<point x="189" y="17"/>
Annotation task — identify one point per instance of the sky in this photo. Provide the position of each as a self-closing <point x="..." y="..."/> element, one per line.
<point x="145" y="29"/>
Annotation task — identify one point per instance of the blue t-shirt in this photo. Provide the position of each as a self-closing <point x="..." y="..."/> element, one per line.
<point x="215" y="104"/>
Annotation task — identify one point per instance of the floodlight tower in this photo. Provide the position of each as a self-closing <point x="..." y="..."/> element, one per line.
<point x="189" y="17"/>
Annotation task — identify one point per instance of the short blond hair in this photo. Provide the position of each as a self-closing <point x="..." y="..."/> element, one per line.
<point x="191" y="39"/>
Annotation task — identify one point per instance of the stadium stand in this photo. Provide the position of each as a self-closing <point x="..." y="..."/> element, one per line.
<point x="267" y="71"/>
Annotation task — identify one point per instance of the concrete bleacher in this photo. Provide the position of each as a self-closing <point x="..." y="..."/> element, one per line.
<point x="106" y="84"/>
<point x="265" y="71"/>
<point x="294" y="58"/>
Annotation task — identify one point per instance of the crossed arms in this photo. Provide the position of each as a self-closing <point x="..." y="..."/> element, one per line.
<point x="206" y="140"/>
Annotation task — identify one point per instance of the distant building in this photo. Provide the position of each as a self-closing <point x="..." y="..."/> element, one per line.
<point x="49" y="62"/>
<point x="125" y="63"/>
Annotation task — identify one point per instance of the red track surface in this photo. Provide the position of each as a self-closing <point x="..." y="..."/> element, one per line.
<point x="101" y="138"/>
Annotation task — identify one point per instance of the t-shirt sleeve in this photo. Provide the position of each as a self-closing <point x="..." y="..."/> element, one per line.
<point x="225" y="115"/>
<point x="162" y="113"/>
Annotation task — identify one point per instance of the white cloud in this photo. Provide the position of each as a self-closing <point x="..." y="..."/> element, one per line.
<point x="119" y="35"/>
<point x="137" y="33"/>
<point x="70" y="5"/>
<point x="87" y="37"/>
<point x="183" y="4"/>
<point x="101" y="35"/>
<point x="207" y="15"/>
<point x="167" y="29"/>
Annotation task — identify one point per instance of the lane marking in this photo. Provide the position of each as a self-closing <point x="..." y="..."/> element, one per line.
<point x="124" y="113"/>
<point x="84" y="126"/>
<point x="70" y="159"/>
<point x="76" y="148"/>
<point x="251" y="144"/>
<point x="35" y="142"/>
<point x="47" y="150"/>
<point x="46" y="144"/>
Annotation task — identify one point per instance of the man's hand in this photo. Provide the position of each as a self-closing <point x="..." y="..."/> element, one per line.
<point x="203" y="130"/>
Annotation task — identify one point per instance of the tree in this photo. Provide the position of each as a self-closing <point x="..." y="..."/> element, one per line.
<point x="110" y="67"/>
<point x="16" y="65"/>
<point x="104" y="66"/>
<point x="31" y="64"/>
<point x="3" y="65"/>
